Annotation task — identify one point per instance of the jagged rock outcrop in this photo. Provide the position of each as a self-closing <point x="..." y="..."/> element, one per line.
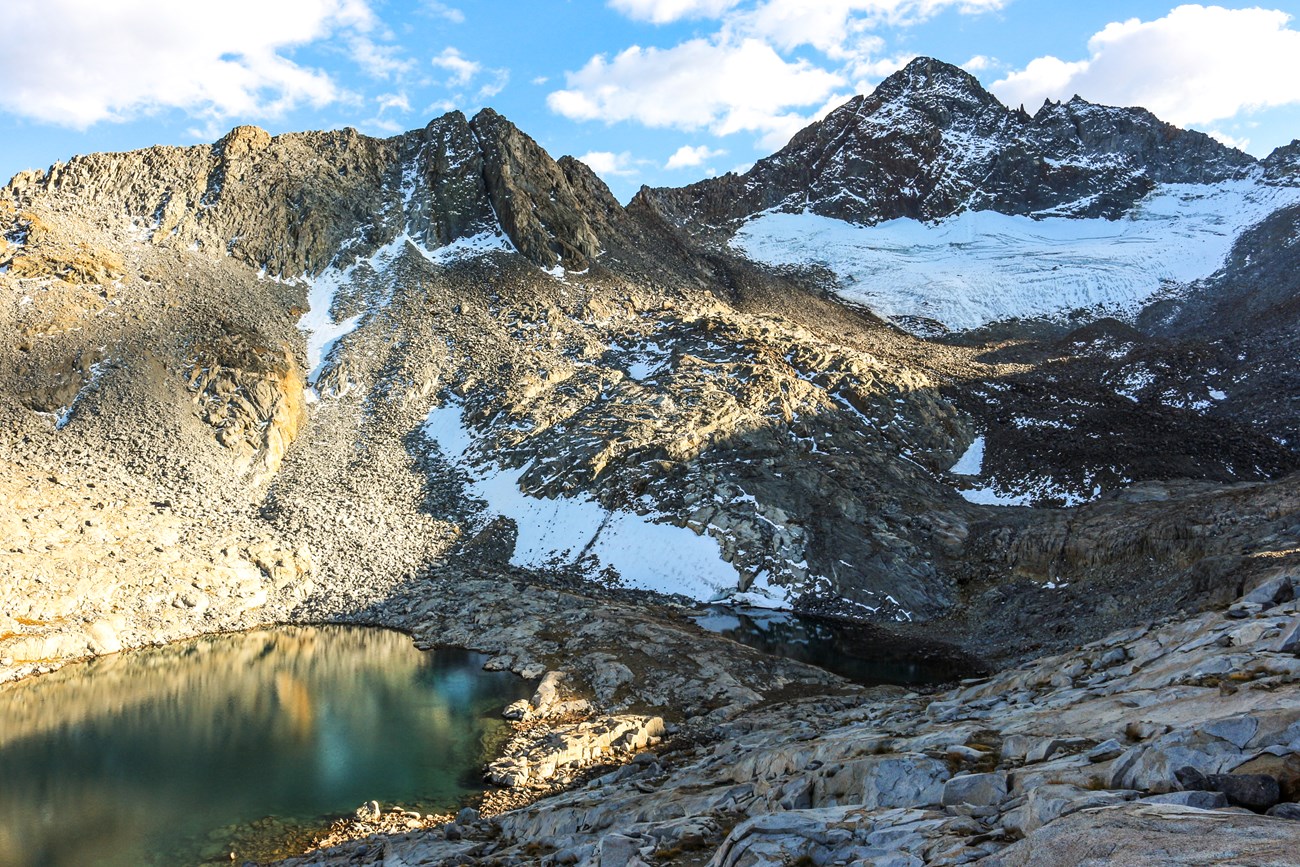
<point x="290" y="204"/>
<point x="930" y="141"/>
<point x="252" y="395"/>
<point x="1283" y="164"/>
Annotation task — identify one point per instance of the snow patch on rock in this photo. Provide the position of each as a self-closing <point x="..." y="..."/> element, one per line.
<point x="971" y="463"/>
<point x="648" y="555"/>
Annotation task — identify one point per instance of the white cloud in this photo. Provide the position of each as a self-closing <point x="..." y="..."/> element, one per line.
<point x="698" y="84"/>
<point x="442" y="10"/>
<point x="498" y="79"/>
<point x="666" y="11"/>
<point x="980" y="63"/>
<point x="382" y="126"/>
<point x="462" y="69"/>
<point x="1197" y="65"/>
<point x="687" y="156"/>
<point x="607" y="164"/>
<point x="393" y="101"/>
<point x="379" y="61"/>
<point x="743" y="78"/>
<point x="440" y="107"/>
<point x="113" y="61"/>
<point x="464" y="72"/>
<point x="841" y="28"/>
<point x="1231" y="141"/>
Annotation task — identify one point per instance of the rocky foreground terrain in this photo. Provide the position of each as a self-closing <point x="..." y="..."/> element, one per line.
<point x="1169" y="744"/>
<point x="445" y="383"/>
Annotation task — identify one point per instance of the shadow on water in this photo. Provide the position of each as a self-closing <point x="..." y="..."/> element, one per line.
<point x="167" y="755"/>
<point x="860" y="652"/>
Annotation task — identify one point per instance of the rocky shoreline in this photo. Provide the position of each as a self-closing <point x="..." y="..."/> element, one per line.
<point x="1165" y="744"/>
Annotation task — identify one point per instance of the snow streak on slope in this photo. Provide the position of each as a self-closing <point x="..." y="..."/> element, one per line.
<point x="982" y="266"/>
<point x="324" y="331"/>
<point x="647" y="555"/>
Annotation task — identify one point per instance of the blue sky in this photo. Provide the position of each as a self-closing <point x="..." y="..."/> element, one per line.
<point x="660" y="92"/>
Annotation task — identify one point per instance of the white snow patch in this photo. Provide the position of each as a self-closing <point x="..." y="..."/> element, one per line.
<point x="648" y="359"/>
<point x="465" y="248"/>
<point x="762" y="593"/>
<point x="323" y="331"/>
<point x="1135" y="380"/>
<point x="648" y="555"/>
<point x="640" y="370"/>
<point x="1026" y="494"/>
<point x="971" y="463"/>
<point x="1215" y="394"/>
<point x="982" y="266"/>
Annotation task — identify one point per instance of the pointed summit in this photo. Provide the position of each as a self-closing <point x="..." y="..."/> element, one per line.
<point x="930" y="77"/>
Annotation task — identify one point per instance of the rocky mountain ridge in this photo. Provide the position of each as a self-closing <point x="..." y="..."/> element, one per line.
<point x="930" y="142"/>
<point x="601" y="361"/>
<point x="446" y="383"/>
<point x="292" y="204"/>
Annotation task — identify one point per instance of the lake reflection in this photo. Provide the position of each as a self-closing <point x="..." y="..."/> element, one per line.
<point x="857" y="651"/>
<point x="144" y="757"/>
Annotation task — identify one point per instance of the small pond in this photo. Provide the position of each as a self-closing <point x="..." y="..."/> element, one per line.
<point x="858" y="651"/>
<point x="168" y="755"/>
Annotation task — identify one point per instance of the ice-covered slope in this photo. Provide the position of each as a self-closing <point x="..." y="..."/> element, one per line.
<point x="933" y="201"/>
<point x="980" y="267"/>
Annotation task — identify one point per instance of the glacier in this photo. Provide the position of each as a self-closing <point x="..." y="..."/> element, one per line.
<point x="980" y="267"/>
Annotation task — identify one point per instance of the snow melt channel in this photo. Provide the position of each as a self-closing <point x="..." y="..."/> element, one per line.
<point x="648" y="555"/>
<point x="982" y="266"/>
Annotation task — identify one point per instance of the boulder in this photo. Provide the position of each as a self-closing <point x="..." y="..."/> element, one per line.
<point x="1153" y="835"/>
<point x="1255" y="792"/>
<point x="1289" y="642"/>
<point x="1273" y="591"/>
<point x="1105" y="751"/>
<point x="978" y="790"/>
<point x="1286" y="810"/>
<point x="1199" y="800"/>
<point x="1284" y="768"/>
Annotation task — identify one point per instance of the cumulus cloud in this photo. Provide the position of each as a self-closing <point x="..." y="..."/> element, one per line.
<point x="699" y="84"/>
<point x="1231" y="141"/>
<point x="608" y="164"/>
<point x="462" y="69"/>
<point x="842" y="28"/>
<point x="114" y="61"/>
<point x="1196" y="65"/>
<point x="666" y="11"/>
<point x="465" y="72"/>
<point x="747" y="76"/>
<point x="687" y="156"/>
<point x="980" y="63"/>
<point x="394" y="102"/>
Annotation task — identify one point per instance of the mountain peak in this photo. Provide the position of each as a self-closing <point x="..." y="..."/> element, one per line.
<point x="929" y="76"/>
<point x="242" y="141"/>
